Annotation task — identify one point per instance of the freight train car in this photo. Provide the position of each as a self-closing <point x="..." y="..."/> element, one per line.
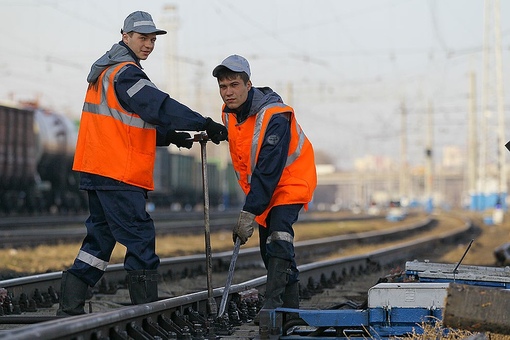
<point x="17" y="152"/>
<point x="178" y="183"/>
<point x="174" y="180"/>
<point x="36" y="155"/>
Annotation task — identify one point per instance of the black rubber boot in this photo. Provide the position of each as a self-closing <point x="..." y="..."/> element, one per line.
<point x="73" y="293"/>
<point x="143" y="286"/>
<point x="278" y="272"/>
<point x="291" y="299"/>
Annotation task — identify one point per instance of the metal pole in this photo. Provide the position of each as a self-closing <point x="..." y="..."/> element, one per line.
<point x="212" y="308"/>
<point x="230" y="276"/>
<point x="500" y="107"/>
<point x="403" y="189"/>
<point x="429" y="166"/>
<point x="473" y="152"/>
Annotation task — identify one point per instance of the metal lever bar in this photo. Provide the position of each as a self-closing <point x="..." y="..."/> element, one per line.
<point x="230" y="276"/>
<point x="202" y="138"/>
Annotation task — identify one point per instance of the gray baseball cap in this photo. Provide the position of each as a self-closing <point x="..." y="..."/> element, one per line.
<point x="234" y="63"/>
<point x="140" y="22"/>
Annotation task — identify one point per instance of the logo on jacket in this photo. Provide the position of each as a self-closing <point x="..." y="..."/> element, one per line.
<point x="273" y="139"/>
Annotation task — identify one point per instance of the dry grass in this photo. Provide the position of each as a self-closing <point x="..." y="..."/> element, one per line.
<point x="57" y="257"/>
<point x="435" y="331"/>
<point x="445" y="223"/>
<point x="481" y="252"/>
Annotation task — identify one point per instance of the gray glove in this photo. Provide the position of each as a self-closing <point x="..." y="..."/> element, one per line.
<point x="244" y="228"/>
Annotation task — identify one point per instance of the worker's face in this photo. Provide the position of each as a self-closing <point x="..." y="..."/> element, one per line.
<point x="141" y="44"/>
<point x="234" y="92"/>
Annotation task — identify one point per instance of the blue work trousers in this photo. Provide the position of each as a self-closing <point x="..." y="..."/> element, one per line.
<point x="280" y="221"/>
<point x="116" y="216"/>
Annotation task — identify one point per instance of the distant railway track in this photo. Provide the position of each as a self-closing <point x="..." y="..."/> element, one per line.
<point x="174" y="317"/>
<point x="29" y="231"/>
<point x="49" y="229"/>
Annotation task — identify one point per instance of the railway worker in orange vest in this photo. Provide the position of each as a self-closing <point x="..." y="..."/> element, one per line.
<point x="125" y="116"/>
<point x="275" y="165"/>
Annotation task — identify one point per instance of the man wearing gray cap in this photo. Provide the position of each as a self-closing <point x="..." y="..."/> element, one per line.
<point x="125" y="116"/>
<point x="274" y="161"/>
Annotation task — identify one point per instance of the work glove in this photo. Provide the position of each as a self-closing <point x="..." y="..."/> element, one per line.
<point x="244" y="228"/>
<point x="217" y="132"/>
<point x="179" y="139"/>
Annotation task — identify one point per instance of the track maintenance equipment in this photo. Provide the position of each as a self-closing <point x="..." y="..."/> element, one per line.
<point x="230" y="276"/>
<point x="202" y="138"/>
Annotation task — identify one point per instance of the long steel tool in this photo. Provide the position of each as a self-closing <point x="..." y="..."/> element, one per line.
<point x="230" y="276"/>
<point x="212" y="308"/>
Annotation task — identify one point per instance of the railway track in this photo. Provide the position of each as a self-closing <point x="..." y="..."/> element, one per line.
<point x="26" y="231"/>
<point x="186" y="316"/>
<point x="29" y="231"/>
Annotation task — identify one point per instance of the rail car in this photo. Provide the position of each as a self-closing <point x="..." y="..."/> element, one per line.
<point x="393" y="309"/>
<point x="178" y="183"/>
<point x="36" y="155"/>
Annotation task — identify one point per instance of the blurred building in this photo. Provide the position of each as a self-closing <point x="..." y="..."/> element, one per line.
<point x="375" y="180"/>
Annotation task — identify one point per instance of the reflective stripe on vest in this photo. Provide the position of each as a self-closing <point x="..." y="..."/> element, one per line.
<point x="225" y="122"/>
<point x="103" y="109"/>
<point x="113" y="142"/>
<point x="293" y="156"/>
<point x="256" y="136"/>
<point x="298" y="179"/>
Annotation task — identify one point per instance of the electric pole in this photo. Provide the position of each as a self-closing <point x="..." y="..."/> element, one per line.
<point x="429" y="165"/>
<point x="472" y="142"/>
<point x="403" y="152"/>
<point x="493" y="181"/>
<point x="171" y="23"/>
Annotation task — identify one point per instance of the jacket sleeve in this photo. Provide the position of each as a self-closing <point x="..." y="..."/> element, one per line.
<point x="161" y="139"/>
<point x="136" y="93"/>
<point x="270" y="164"/>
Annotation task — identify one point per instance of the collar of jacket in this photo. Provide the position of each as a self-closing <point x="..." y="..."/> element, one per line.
<point x="117" y="54"/>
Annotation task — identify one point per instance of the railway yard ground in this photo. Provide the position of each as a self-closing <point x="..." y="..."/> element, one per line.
<point x="51" y="258"/>
<point x="48" y="258"/>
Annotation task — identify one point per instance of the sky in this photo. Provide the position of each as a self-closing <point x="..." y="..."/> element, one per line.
<point x="349" y="68"/>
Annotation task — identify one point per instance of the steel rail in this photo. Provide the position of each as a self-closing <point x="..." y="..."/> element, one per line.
<point x="153" y="320"/>
<point x="248" y="258"/>
<point x="36" y="230"/>
<point x="16" y="235"/>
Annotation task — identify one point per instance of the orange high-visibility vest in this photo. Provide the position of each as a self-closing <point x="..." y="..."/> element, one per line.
<point x="113" y="142"/>
<point x="299" y="177"/>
